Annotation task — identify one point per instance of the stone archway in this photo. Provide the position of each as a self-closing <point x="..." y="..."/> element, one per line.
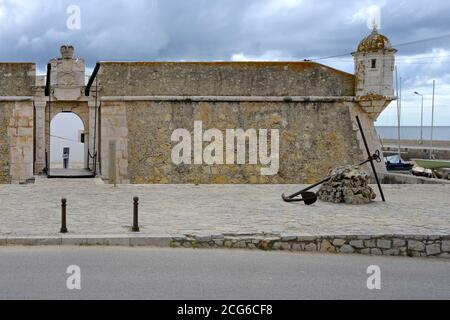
<point x="66" y="91"/>
<point x="81" y="109"/>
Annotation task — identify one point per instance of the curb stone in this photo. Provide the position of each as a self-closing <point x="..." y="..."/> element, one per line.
<point x="34" y="241"/>
<point x="434" y="246"/>
<point x="3" y="241"/>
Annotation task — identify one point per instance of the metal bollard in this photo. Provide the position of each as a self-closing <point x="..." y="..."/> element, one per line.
<point x="63" y="216"/>
<point x="135" y="227"/>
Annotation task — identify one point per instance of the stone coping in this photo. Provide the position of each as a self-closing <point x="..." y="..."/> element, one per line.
<point x="15" y="98"/>
<point x="433" y="246"/>
<point x="231" y="98"/>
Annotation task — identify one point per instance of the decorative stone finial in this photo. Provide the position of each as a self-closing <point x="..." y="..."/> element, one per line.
<point x="374" y="28"/>
<point x="67" y="51"/>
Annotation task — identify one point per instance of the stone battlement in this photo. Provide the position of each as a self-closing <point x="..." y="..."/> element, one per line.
<point x="223" y="79"/>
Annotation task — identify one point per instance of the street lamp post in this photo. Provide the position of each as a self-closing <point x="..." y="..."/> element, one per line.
<point x="421" y="118"/>
<point x="432" y="121"/>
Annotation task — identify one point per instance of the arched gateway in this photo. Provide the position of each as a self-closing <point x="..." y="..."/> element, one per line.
<point x="136" y="109"/>
<point x="62" y="90"/>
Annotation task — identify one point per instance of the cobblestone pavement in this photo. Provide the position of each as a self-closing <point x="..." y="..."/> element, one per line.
<point x="96" y="208"/>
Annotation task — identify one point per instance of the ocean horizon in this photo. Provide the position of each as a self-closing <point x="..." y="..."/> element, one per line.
<point x="440" y="133"/>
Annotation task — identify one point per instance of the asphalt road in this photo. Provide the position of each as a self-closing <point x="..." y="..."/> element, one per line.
<point x="143" y="273"/>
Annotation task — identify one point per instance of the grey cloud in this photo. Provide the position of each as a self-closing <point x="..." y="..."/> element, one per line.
<point x="33" y="30"/>
<point x="207" y="30"/>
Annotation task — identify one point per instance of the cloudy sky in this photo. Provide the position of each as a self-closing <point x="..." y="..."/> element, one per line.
<point x="177" y="30"/>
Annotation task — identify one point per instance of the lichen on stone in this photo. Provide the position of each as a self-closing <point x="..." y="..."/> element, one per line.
<point x="349" y="184"/>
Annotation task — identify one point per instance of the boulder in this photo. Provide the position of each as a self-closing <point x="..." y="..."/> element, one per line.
<point x="348" y="184"/>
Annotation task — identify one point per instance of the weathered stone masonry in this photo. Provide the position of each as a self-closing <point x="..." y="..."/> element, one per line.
<point x="387" y="245"/>
<point x="303" y="156"/>
<point x="16" y="122"/>
<point x="5" y="115"/>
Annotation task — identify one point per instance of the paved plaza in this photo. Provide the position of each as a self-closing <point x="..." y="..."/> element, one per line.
<point x="95" y="208"/>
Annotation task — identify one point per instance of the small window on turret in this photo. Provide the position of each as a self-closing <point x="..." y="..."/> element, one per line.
<point x="374" y="63"/>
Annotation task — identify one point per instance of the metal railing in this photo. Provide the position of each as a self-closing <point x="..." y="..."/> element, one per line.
<point x="48" y="93"/>
<point x="87" y="94"/>
<point x="92" y="157"/>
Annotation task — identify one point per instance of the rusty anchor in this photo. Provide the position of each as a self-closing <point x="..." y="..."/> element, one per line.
<point x="310" y="198"/>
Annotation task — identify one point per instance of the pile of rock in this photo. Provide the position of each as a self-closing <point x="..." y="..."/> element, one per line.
<point x="349" y="184"/>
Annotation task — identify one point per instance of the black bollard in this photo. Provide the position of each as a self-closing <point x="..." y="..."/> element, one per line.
<point x="135" y="227"/>
<point x="63" y="216"/>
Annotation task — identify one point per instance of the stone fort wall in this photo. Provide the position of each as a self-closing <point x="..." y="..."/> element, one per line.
<point x="314" y="138"/>
<point x="311" y="105"/>
<point x="16" y="121"/>
<point x="17" y="79"/>
<point x="5" y="115"/>
<point x="142" y="103"/>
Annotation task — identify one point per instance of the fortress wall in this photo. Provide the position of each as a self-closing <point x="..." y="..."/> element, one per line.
<point x="314" y="138"/>
<point x="17" y="79"/>
<point x="223" y="79"/>
<point x="6" y="110"/>
<point x="16" y="121"/>
<point x="16" y="141"/>
<point x="315" y="134"/>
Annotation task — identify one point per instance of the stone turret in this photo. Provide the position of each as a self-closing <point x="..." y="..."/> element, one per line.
<point x="374" y="71"/>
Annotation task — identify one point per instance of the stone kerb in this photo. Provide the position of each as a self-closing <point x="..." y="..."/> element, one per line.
<point x="437" y="246"/>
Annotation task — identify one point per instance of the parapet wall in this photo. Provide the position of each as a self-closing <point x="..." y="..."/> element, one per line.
<point x="223" y="79"/>
<point x="17" y="79"/>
